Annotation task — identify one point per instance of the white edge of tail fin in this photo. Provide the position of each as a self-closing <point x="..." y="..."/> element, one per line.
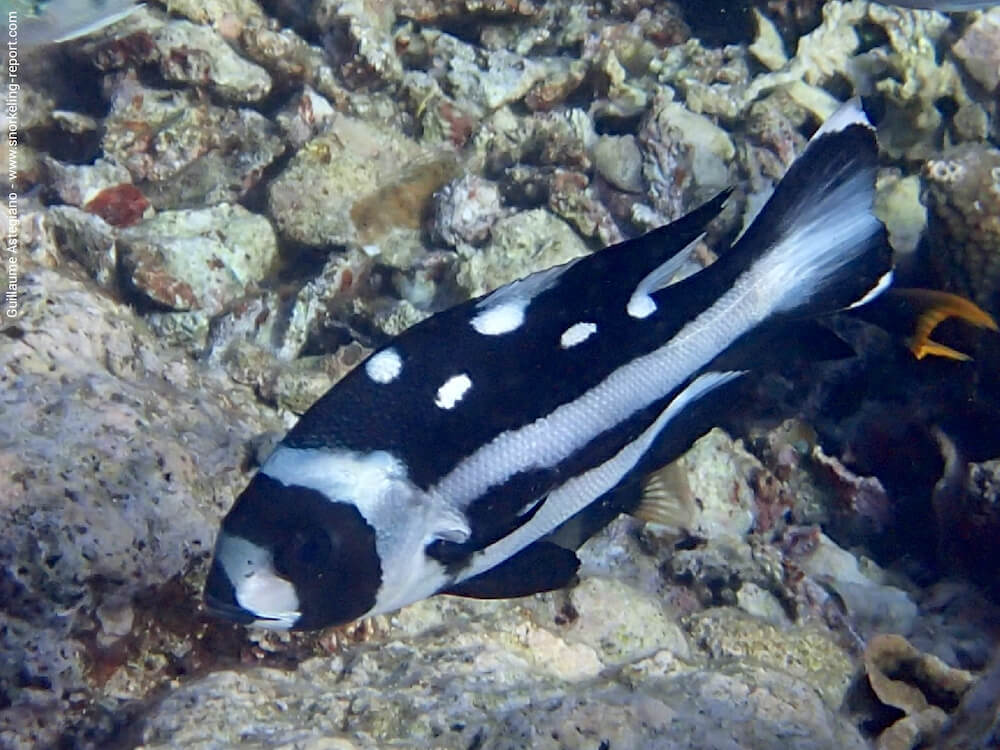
<point x="880" y="286"/>
<point x="830" y="230"/>
<point x="847" y="114"/>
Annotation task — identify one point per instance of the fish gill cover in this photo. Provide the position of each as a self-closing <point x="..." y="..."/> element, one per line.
<point x="199" y="253"/>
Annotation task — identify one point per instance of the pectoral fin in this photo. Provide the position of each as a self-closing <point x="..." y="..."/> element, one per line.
<point x="667" y="499"/>
<point x="541" y="566"/>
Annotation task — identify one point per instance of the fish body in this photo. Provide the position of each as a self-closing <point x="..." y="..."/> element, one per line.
<point x="945" y="6"/>
<point x="62" y="20"/>
<point x="475" y="452"/>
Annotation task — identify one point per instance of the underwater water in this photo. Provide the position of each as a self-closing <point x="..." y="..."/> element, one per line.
<point x="218" y="210"/>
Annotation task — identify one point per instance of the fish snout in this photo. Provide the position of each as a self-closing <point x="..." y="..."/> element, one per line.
<point x="292" y="557"/>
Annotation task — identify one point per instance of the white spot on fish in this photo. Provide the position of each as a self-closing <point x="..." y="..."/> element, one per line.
<point x="577" y="334"/>
<point x="502" y="318"/>
<point x="385" y="366"/>
<point x="502" y="311"/>
<point x="452" y="391"/>
<point x="641" y="306"/>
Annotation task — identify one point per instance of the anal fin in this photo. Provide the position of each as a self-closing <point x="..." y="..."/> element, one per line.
<point x="541" y="566"/>
<point x="775" y="344"/>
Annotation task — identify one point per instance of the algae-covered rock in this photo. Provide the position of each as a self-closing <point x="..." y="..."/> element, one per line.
<point x="718" y="475"/>
<point x="686" y="157"/>
<point x="713" y="81"/>
<point x="216" y="12"/>
<point x="187" y="329"/>
<point x="465" y="211"/>
<point x="774" y="138"/>
<point x="481" y="79"/>
<point x="364" y="49"/>
<point x="312" y="199"/>
<point x="873" y="605"/>
<point x="520" y="244"/>
<point x="571" y="197"/>
<point x="90" y="241"/>
<point x="898" y="206"/>
<point x="182" y="150"/>
<point x="715" y="572"/>
<point x="277" y="48"/>
<point x="450" y="11"/>
<point x="301" y="383"/>
<point x="190" y="53"/>
<point x="619" y="161"/>
<point x="979" y="49"/>
<point x="195" y="259"/>
<point x="77" y="184"/>
<point x="727" y="633"/>
<point x="119" y="459"/>
<point x="620" y="623"/>
<point x="487" y="674"/>
<point x="306" y="115"/>
<point x="963" y="196"/>
<point x="562" y="138"/>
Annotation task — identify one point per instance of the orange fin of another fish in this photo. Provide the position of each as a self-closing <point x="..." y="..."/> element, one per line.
<point x="935" y="307"/>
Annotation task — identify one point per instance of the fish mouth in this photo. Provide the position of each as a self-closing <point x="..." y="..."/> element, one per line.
<point x="221" y="602"/>
<point x="220" y="598"/>
<point x="227" y="611"/>
<point x="237" y="614"/>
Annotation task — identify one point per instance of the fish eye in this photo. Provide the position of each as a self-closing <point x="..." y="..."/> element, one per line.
<point x="308" y="550"/>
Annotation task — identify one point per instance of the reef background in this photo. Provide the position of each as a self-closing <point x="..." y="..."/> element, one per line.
<point x="225" y="205"/>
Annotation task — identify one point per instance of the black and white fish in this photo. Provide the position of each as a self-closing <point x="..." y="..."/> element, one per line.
<point x="47" y="22"/>
<point x="945" y="6"/>
<point x="466" y="455"/>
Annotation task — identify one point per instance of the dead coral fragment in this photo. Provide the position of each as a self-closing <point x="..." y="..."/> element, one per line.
<point x="920" y="685"/>
<point x="465" y="211"/>
<point x="863" y="498"/>
<point x="455" y="11"/>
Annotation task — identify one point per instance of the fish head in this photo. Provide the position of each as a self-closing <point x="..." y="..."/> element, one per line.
<point x="290" y="557"/>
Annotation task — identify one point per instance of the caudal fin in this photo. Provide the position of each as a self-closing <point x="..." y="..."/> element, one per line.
<point x="816" y="246"/>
